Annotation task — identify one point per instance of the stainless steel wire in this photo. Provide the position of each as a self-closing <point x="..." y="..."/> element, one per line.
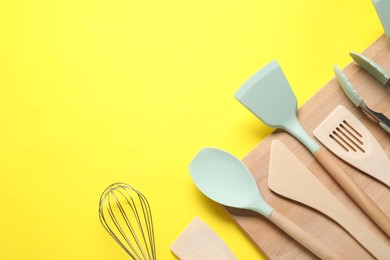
<point x="125" y="213"/>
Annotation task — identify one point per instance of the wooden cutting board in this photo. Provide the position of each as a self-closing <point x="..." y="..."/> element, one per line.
<point x="274" y="243"/>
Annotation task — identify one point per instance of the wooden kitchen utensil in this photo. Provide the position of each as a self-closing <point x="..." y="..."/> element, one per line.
<point x="268" y="95"/>
<point x="199" y="242"/>
<point x="343" y="134"/>
<point x="290" y="178"/>
<point x="226" y="180"/>
<point x="312" y="111"/>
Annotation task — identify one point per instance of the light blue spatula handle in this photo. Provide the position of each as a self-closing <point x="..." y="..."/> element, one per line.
<point x="347" y="87"/>
<point x="294" y="127"/>
<point x="371" y="67"/>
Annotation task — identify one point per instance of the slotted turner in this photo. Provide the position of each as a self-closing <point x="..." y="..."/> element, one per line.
<point x="268" y="95"/>
<point x="343" y="134"/>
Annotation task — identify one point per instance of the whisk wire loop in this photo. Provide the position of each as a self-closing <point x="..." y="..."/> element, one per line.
<point x="125" y="213"/>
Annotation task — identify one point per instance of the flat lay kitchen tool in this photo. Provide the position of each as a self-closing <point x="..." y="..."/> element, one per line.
<point x="293" y="180"/>
<point x="311" y="114"/>
<point x="373" y="68"/>
<point x="226" y="180"/>
<point x="199" y="242"/>
<point x="383" y="9"/>
<point x="125" y="213"/>
<point x="268" y="95"/>
<point x="343" y="134"/>
<point x="357" y="100"/>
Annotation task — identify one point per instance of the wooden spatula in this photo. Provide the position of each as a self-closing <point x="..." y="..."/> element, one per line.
<point x="199" y="242"/>
<point x="343" y="134"/>
<point x="269" y="96"/>
<point x="290" y="178"/>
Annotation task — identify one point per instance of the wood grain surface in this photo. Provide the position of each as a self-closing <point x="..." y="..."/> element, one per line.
<point x="273" y="242"/>
<point x="199" y="241"/>
<point x="366" y="154"/>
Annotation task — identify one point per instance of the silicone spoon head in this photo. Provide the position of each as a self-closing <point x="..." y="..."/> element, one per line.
<point x="226" y="180"/>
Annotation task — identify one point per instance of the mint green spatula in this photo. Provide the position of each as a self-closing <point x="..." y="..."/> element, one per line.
<point x="226" y="180"/>
<point x="268" y="95"/>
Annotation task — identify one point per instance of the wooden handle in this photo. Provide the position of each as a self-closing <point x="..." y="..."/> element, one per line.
<point x="305" y="239"/>
<point x="378" y="248"/>
<point x="353" y="190"/>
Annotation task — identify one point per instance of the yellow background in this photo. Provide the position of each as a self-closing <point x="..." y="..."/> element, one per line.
<point x="94" y="92"/>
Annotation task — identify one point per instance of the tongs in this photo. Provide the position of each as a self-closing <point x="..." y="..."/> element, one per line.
<point x="378" y="73"/>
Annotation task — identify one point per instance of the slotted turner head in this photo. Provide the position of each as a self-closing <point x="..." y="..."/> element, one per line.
<point x="344" y="135"/>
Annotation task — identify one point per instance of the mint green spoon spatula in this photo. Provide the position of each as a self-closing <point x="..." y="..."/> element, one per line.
<point x="268" y="95"/>
<point x="226" y="180"/>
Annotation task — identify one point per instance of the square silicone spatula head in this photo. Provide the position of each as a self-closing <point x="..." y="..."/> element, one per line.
<point x="268" y="95"/>
<point x="263" y="93"/>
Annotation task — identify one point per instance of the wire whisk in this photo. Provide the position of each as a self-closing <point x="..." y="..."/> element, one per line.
<point x="125" y="214"/>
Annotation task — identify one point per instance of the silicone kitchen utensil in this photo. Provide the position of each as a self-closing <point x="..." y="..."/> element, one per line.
<point x="383" y="9"/>
<point x="269" y="96"/>
<point x="356" y="99"/>
<point x="125" y="214"/>
<point x="293" y="180"/>
<point x="226" y="180"/>
<point x="199" y="242"/>
<point x="372" y="68"/>
<point x="343" y="134"/>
